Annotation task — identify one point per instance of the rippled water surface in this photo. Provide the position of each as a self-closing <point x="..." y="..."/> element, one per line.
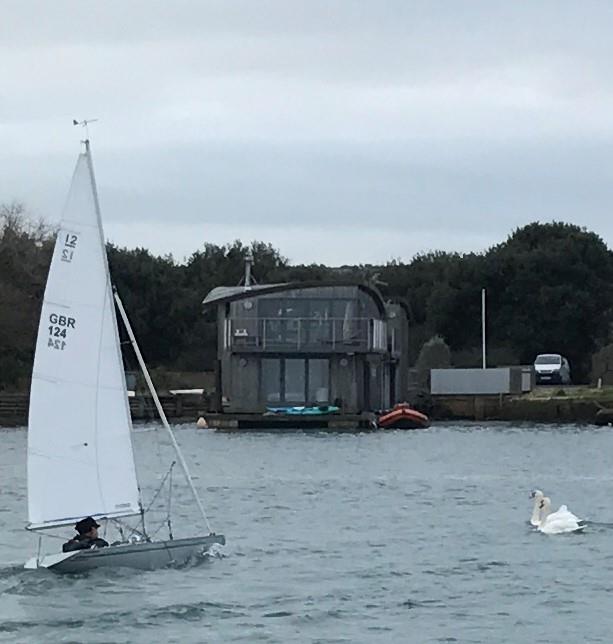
<point x="415" y="536"/>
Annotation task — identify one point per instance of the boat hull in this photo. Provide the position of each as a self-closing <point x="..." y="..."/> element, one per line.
<point x="403" y="418"/>
<point x="143" y="555"/>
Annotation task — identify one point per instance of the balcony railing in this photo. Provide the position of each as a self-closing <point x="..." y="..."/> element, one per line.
<point x="305" y="334"/>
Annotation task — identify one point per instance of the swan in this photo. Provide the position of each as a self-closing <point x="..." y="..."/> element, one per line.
<point x="557" y="522"/>
<point x="535" y="519"/>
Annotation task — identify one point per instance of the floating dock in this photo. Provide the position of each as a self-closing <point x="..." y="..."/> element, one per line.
<point x="268" y="422"/>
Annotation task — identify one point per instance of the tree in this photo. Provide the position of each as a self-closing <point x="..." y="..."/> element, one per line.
<point x="25" y="253"/>
<point x="435" y="354"/>
<point x="549" y="286"/>
<point x="550" y="290"/>
<point x="602" y="366"/>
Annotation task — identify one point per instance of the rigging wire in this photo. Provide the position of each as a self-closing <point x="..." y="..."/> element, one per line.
<point x="161" y="412"/>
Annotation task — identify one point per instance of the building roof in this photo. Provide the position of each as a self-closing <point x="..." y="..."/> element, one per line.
<point x="227" y="293"/>
<point x="222" y="294"/>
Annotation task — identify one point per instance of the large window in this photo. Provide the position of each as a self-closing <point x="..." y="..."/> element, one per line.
<point x="319" y="381"/>
<point x="316" y="321"/>
<point x="295" y="381"/>
<point x="270" y="381"/>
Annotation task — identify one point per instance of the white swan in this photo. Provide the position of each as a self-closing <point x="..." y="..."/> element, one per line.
<point x="535" y="519"/>
<point x="557" y="522"/>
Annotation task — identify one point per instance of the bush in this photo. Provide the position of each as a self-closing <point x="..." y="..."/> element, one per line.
<point x="602" y="366"/>
<point x="435" y="354"/>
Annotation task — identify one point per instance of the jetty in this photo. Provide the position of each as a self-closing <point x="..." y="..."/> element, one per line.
<point x="263" y="422"/>
<point x="178" y="408"/>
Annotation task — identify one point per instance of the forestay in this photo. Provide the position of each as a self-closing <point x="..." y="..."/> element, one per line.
<point x="80" y="459"/>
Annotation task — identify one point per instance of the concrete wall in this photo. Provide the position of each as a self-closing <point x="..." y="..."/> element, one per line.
<point x="475" y="381"/>
<point x="517" y="408"/>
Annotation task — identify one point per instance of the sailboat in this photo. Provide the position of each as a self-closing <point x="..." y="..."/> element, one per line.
<point x="80" y="458"/>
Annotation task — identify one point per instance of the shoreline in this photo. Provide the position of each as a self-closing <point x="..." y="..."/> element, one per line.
<point x="542" y="405"/>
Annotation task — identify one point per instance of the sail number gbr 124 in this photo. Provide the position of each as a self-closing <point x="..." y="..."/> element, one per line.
<point x="58" y="330"/>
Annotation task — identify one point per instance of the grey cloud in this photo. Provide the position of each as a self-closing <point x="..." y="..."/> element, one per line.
<point x="434" y="122"/>
<point x="374" y="187"/>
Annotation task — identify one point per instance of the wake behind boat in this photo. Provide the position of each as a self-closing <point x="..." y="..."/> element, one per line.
<point x="80" y="459"/>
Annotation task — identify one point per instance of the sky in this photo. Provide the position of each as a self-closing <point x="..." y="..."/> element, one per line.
<point x="340" y="131"/>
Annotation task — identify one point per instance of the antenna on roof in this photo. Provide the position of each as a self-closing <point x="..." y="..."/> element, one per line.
<point x="375" y="281"/>
<point x="84" y="123"/>
<point x="247" y="280"/>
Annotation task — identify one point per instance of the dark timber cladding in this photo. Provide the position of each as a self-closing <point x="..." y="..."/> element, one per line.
<point x="309" y="344"/>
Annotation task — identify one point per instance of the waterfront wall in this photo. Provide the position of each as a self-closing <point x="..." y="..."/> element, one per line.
<point x="515" y="408"/>
<point x="481" y="382"/>
<point x="14" y="409"/>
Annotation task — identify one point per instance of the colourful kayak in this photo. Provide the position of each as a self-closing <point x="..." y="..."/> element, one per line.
<point x="304" y="411"/>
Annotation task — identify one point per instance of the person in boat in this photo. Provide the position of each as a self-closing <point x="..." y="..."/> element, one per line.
<point x="86" y="538"/>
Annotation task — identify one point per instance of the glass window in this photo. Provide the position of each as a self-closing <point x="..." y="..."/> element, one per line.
<point x="296" y="308"/>
<point x="339" y="308"/>
<point x="319" y="381"/>
<point x="317" y="328"/>
<point x="270" y="381"/>
<point x="548" y="359"/>
<point x="319" y="309"/>
<point x="270" y="308"/>
<point x="295" y="380"/>
<point x="291" y="332"/>
<point x="283" y="308"/>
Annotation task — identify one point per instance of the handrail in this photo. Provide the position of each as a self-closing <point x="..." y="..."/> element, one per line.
<point x="285" y="318"/>
<point x="265" y="332"/>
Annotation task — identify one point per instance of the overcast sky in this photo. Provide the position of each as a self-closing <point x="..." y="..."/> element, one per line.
<point x="348" y="131"/>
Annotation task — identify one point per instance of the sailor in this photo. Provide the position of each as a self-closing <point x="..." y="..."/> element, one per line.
<point x="87" y="536"/>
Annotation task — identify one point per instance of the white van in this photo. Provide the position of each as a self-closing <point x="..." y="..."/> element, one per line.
<point x="552" y="368"/>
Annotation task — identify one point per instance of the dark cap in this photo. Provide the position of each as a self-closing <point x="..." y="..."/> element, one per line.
<point x="85" y="525"/>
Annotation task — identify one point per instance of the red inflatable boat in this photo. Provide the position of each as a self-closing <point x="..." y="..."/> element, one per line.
<point x="403" y="416"/>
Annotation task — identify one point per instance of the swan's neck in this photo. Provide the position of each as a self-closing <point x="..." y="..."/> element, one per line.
<point x="535" y="519"/>
<point x="545" y="512"/>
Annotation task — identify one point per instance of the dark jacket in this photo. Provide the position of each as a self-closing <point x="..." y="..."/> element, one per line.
<point x="83" y="542"/>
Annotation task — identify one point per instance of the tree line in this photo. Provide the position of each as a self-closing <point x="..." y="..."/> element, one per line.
<point x="549" y="289"/>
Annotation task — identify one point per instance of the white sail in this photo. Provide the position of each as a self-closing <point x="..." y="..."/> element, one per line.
<point x="80" y="459"/>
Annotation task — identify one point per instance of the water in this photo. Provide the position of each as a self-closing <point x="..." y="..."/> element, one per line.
<point x="415" y="536"/>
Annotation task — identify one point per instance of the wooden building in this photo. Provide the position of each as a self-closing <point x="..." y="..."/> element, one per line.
<point x="309" y="344"/>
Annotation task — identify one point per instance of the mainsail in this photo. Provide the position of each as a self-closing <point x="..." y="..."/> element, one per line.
<point x="80" y="459"/>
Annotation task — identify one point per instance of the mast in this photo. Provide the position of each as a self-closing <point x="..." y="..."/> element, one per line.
<point x="139" y="356"/>
<point x="158" y="405"/>
<point x="90" y="166"/>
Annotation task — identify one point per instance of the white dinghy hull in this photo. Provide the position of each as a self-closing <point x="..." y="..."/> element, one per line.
<point x="143" y="555"/>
